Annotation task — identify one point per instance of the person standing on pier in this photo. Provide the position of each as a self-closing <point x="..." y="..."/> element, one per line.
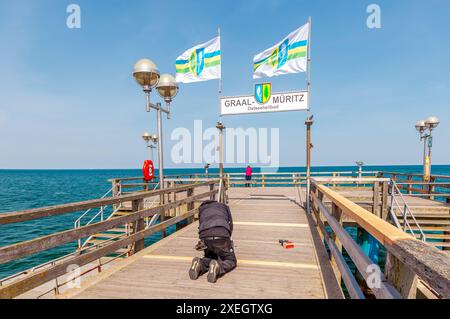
<point x="207" y="169"/>
<point x="215" y="230"/>
<point x="248" y="176"/>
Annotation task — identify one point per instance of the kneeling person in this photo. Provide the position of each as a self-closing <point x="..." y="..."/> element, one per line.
<point x="215" y="230"/>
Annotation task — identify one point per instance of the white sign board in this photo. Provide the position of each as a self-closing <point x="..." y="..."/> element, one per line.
<point x="277" y="102"/>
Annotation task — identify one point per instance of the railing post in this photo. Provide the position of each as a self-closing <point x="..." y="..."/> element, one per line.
<point x="190" y="206"/>
<point x="138" y="225"/>
<point x="115" y="186"/>
<point x="431" y="187"/>
<point x="376" y="199"/>
<point x="211" y="188"/>
<point x="401" y="277"/>
<point x="169" y="199"/>
<point x="319" y="195"/>
<point x="384" y="200"/>
<point x="162" y="212"/>
<point x="176" y="210"/>
<point x="145" y="186"/>
<point x="336" y="212"/>
<point x="409" y="184"/>
<point x="262" y="181"/>
<point x="225" y="191"/>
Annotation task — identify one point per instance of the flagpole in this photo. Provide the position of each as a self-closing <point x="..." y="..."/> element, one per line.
<point x="220" y="79"/>
<point x="219" y="125"/>
<point x="308" y="124"/>
<point x="309" y="62"/>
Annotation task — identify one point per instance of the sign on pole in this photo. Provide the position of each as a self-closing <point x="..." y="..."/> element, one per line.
<point x="263" y="101"/>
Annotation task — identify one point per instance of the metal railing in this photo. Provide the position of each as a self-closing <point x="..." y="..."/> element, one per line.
<point x="405" y="211"/>
<point x="101" y="213"/>
<point x="149" y="221"/>
<point x="437" y="188"/>
<point x="77" y="223"/>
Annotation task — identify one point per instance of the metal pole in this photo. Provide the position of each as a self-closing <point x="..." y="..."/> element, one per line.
<point x="220" y="153"/>
<point x="430" y="145"/>
<point x="220" y="127"/>
<point x="161" y="165"/>
<point x="160" y="147"/>
<point x="309" y="62"/>
<point x="220" y="78"/>
<point x="425" y="158"/>
<point x="219" y="124"/>
<point x="308" y="124"/>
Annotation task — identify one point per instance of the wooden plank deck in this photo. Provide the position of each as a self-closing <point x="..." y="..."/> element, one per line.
<point x="265" y="269"/>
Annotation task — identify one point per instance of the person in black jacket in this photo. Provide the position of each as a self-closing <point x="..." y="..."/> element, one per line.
<point x="215" y="230"/>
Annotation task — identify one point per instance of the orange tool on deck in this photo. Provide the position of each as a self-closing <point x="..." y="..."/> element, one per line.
<point x="287" y="244"/>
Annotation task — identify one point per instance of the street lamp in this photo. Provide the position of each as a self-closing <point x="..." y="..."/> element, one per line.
<point x="360" y="165"/>
<point x="432" y="122"/>
<point x="420" y="126"/>
<point x="425" y="129"/>
<point x="150" y="138"/>
<point x="147" y="75"/>
<point x="167" y="89"/>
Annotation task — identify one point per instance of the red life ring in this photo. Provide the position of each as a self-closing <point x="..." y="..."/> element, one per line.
<point x="148" y="170"/>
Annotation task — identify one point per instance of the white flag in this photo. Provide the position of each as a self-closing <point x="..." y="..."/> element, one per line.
<point x="288" y="56"/>
<point x="200" y="63"/>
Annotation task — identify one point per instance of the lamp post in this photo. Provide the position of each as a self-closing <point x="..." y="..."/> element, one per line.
<point x="425" y="129"/>
<point x="150" y="138"/>
<point x="360" y="165"/>
<point x="147" y="75"/>
<point x="309" y="122"/>
<point x="220" y="127"/>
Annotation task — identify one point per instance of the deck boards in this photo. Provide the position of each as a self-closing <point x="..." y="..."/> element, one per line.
<point x="265" y="269"/>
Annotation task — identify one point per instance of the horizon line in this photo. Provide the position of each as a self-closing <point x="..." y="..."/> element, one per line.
<point x="213" y="168"/>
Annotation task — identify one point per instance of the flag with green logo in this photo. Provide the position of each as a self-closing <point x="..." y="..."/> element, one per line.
<point x="288" y="56"/>
<point x="200" y="63"/>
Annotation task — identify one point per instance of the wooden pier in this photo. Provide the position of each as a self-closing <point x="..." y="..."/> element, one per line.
<point x="265" y="269"/>
<point x="122" y="267"/>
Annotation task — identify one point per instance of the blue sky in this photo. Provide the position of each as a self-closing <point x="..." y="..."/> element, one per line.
<point x="68" y="100"/>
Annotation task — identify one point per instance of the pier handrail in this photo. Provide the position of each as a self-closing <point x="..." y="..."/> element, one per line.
<point x="381" y="173"/>
<point x="437" y="188"/>
<point x="101" y="212"/>
<point x="35" y="213"/>
<point x="406" y="211"/>
<point x="408" y="258"/>
<point x="136" y="218"/>
<point x="77" y="222"/>
<point x="258" y="178"/>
